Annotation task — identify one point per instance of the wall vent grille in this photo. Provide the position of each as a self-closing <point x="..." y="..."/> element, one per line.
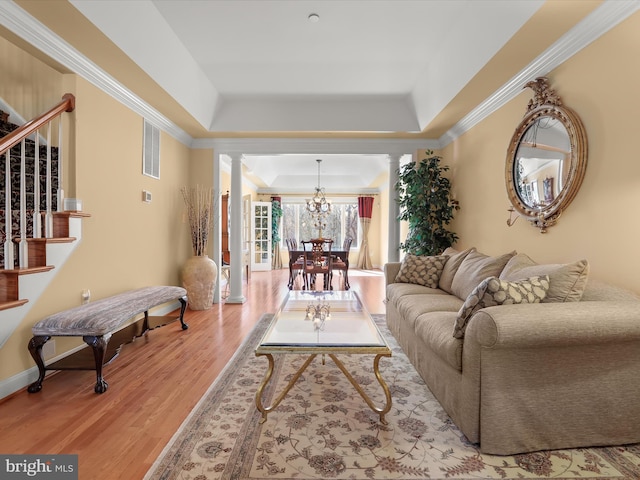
<point x="151" y="150"/>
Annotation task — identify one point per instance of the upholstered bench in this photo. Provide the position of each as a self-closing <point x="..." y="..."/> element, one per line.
<point x="95" y="322"/>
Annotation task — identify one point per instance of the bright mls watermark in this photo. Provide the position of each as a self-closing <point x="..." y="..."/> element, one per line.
<point x="50" y="467"/>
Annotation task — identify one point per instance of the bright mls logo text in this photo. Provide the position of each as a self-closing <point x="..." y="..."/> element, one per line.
<point x="52" y="467"/>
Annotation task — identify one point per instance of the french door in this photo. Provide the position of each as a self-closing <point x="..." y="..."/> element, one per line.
<point x="261" y="233"/>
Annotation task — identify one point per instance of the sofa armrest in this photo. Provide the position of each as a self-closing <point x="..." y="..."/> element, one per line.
<point x="542" y="369"/>
<point x="556" y="324"/>
<point x="391" y="270"/>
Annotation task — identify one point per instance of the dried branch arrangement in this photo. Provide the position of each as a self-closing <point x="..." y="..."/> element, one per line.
<point x="200" y="205"/>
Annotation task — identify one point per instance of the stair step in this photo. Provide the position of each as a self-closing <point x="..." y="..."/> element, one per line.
<point x="26" y="271"/>
<point x="47" y="240"/>
<point x="12" y="304"/>
<point x="9" y="293"/>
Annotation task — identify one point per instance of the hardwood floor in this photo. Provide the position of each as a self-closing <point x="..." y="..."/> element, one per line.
<point x="153" y="385"/>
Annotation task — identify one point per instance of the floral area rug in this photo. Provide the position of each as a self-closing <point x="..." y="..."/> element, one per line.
<point x="323" y="429"/>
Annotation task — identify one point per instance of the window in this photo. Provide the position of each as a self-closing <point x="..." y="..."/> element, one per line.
<point x="151" y="150"/>
<point x="342" y="222"/>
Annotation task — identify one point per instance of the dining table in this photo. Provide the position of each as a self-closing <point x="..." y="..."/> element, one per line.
<point x="343" y="255"/>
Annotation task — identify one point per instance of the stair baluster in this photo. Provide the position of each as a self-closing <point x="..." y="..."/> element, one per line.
<point x="8" y="243"/>
<point x="29" y="212"/>
<point x="48" y="218"/>
<point x="23" y="247"/>
<point x="60" y="195"/>
<point x="37" y="219"/>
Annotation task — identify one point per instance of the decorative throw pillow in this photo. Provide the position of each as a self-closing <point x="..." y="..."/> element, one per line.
<point x="474" y="269"/>
<point x="451" y="266"/>
<point x="493" y="291"/>
<point x="421" y="270"/>
<point x="566" y="281"/>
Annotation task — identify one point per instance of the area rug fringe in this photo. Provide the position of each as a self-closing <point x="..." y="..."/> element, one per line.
<point x="323" y="430"/>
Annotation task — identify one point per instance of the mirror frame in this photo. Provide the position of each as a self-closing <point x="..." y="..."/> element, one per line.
<point x="546" y="103"/>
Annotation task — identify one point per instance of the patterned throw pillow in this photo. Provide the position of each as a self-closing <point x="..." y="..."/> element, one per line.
<point x="421" y="270"/>
<point x="493" y="291"/>
<point x="567" y="282"/>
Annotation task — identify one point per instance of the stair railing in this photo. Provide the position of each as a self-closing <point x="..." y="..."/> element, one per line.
<point x="6" y="143"/>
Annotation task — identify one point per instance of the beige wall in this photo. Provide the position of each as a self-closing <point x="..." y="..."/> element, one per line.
<point x="126" y="243"/>
<point x="601" y="225"/>
<point x="29" y="86"/>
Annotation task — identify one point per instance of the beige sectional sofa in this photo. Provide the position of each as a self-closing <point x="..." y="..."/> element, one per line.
<point x="560" y="371"/>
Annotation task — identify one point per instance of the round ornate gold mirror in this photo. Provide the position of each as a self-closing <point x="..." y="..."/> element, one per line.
<point x="546" y="159"/>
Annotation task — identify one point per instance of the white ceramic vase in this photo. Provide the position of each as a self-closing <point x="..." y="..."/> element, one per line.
<point x="199" y="276"/>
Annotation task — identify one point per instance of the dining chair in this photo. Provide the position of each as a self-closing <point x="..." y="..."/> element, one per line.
<point x="317" y="260"/>
<point x="292" y="243"/>
<point x="342" y="264"/>
<point x="296" y="265"/>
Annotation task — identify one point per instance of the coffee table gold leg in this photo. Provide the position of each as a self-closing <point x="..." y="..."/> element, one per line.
<point x="387" y="392"/>
<point x="261" y="408"/>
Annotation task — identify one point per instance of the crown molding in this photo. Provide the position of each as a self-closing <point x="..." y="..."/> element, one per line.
<point x="37" y="34"/>
<point x="333" y="193"/>
<point x="607" y="16"/>
<point x="265" y="146"/>
<point x="600" y="21"/>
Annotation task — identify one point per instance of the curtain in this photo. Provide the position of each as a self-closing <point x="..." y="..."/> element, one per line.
<point x="365" y="209"/>
<point x="276" y="257"/>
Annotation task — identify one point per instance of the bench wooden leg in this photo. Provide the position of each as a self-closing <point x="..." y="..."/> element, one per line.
<point x="99" y="346"/>
<point x="183" y="307"/>
<point x="145" y="323"/>
<point x="35" y="349"/>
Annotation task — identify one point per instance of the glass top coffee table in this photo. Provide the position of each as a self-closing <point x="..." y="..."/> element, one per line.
<point x="327" y="323"/>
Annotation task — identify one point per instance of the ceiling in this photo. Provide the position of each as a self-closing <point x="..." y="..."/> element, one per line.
<point x="361" y="66"/>
<point x="404" y="69"/>
<point x="301" y="173"/>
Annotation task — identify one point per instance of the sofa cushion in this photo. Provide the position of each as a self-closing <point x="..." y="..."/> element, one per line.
<point x="493" y="291"/>
<point x="474" y="269"/>
<point x="566" y="281"/>
<point x="421" y="269"/>
<point x="397" y="290"/>
<point x="411" y="307"/>
<point x="434" y="330"/>
<point x="451" y="266"/>
<point x="597" y="290"/>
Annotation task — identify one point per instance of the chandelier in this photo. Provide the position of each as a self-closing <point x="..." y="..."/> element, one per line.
<point x="318" y="314"/>
<point x="318" y="204"/>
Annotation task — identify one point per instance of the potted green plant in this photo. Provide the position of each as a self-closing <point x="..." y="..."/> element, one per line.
<point x="276" y="215"/>
<point x="424" y="196"/>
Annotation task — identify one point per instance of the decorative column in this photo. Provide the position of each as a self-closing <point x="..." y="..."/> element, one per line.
<point x="217" y="226"/>
<point x="393" y="253"/>
<point x="235" y="232"/>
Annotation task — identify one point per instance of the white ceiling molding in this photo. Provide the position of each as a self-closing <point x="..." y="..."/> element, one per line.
<point x="445" y="77"/>
<point x="225" y="166"/>
<point x="380" y="113"/>
<point x="267" y="146"/>
<point x="301" y="192"/>
<point x="600" y="21"/>
<point x="609" y="14"/>
<point x="118" y="23"/>
<point x="31" y="30"/>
